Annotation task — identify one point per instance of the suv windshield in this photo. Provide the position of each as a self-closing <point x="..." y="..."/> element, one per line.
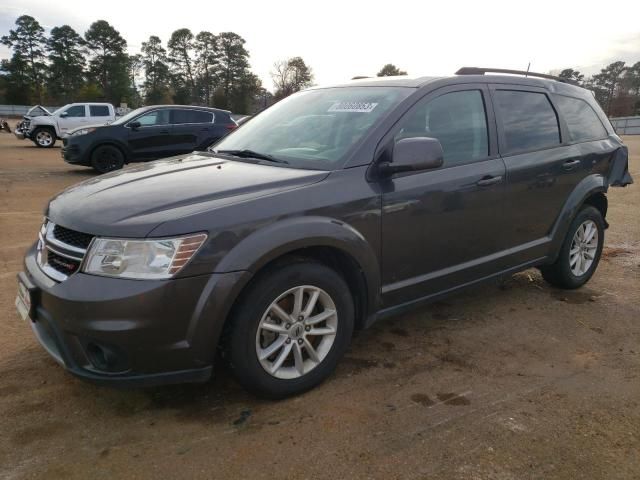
<point x="316" y="128"/>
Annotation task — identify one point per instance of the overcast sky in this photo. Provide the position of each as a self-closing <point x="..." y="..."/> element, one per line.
<point x="342" y="39"/>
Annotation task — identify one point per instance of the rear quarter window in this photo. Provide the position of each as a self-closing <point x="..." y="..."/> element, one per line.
<point x="582" y="121"/>
<point x="190" y="116"/>
<point x="529" y="121"/>
<point x="99" y="110"/>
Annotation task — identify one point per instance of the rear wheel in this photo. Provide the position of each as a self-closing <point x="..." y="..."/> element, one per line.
<point x="580" y="252"/>
<point x="107" y="158"/>
<point x="44" y="137"/>
<point x="290" y="330"/>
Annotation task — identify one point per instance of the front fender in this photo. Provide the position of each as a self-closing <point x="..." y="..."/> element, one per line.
<point x="588" y="186"/>
<point x="286" y="236"/>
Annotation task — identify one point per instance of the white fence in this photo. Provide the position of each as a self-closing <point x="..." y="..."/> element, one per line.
<point x="626" y="125"/>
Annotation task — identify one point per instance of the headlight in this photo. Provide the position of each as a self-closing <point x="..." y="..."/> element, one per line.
<point x="82" y="131"/>
<point x="141" y="259"/>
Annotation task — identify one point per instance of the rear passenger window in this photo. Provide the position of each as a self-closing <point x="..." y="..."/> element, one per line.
<point x="98" y="110"/>
<point x="582" y="121"/>
<point x="528" y="120"/>
<point x="200" y="117"/>
<point x="457" y="120"/>
<point x="190" y="116"/>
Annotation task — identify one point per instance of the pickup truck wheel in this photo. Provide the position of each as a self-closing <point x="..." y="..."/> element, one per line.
<point x="290" y="330"/>
<point x="580" y="252"/>
<point x="107" y="158"/>
<point x="44" y="137"/>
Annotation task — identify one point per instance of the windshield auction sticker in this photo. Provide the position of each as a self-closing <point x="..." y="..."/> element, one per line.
<point x="357" y="107"/>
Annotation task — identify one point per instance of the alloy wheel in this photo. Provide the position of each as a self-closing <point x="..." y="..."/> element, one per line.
<point x="44" y="138"/>
<point x="583" y="248"/>
<point x="296" y="332"/>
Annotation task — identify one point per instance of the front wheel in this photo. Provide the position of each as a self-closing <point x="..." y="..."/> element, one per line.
<point x="107" y="158"/>
<point x="290" y="330"/>
<point x="580" y="252"/>
<point x="44" y="138"/>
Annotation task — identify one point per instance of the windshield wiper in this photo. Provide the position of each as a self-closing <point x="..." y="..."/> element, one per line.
<point x="251" y="154"/>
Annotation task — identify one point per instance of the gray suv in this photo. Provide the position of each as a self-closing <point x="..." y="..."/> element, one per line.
<point x="332" y="209"/>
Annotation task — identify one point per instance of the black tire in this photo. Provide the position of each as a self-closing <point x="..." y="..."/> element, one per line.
<point x="43" y="137"/>
<point x="240" y="347"/>
<point x="560" y="274"/>
<point x="107" y="158"/>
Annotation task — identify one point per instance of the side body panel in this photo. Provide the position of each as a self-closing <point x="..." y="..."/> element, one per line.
<point x="150" y="142"/>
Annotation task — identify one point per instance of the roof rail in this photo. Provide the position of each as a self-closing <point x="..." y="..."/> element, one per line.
<point x="482" y="71"/>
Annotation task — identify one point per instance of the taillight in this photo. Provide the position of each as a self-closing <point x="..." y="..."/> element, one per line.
<point x="231" y="126"/>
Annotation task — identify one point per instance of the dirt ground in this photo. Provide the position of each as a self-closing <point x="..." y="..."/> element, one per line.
<point x="506" y="381"/>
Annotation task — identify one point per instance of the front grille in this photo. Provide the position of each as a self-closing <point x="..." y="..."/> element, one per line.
<point x="71" y="237"/>
<point x="61" y="250"/>
<point x="62" y="264"/>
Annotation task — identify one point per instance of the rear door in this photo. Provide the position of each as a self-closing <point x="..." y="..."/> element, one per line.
<point x="152" y="139"/>
<point x="442" y="228"/>
<point x="542" y="169"/>
<point x="99" y="114"/>
<point x="190" y="129"/>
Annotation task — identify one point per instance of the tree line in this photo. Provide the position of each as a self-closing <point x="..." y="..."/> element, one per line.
<point x="616" y="87"/>
<point x="194" y="69"/>
<point x="200" y="69"/>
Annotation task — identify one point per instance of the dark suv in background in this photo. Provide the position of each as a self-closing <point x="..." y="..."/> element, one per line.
<point x="145" y="134"/>
<point x="283" y="240"/>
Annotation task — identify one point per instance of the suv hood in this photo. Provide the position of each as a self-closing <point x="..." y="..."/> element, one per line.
<point x="133" y="201"/>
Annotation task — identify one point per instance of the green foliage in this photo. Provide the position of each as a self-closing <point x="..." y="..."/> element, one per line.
<point x="390" y="70"/>
<point x="233" y="69"/>
<point x="616" y="87"/>
<point x="207" y="64"/>
<point x="65" y="73"/>
<point x="26" y="68"/>
<point x="290" y="76"/>
<point x="156" y="71"/>
<point x="90" y="92"/>
<point x="109" y="66"/>
<point x="205" y="69"/>
<point x="571" y="74"/>
<point x="181" y="45"/>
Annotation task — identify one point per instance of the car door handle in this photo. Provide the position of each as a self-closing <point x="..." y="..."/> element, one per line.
<point x="164" y="131"/>
<point x="570" y="164"/>
<point x="487" y="181"/>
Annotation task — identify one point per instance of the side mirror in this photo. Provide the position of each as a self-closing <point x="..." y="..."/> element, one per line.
<point x="134" y="125"/>
<point x="64" y="115"/>
<point x="412" y="155"/>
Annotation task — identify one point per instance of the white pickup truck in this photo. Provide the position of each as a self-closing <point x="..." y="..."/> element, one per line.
<point x="43" y="127"/>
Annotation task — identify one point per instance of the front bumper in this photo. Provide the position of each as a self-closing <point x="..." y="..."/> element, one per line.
<point x="129" y="332"/>
<point x="21" y="133"/>
<point x="72" y="153"/>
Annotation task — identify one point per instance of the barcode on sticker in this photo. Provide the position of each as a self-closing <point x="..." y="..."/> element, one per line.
<point x="358" y="107"/>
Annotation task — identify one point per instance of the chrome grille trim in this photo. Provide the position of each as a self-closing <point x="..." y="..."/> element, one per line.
<point x="47" y="242"/>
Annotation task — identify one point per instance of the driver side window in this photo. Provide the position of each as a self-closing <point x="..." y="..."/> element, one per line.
<point x="457" y="120"/>
<point x="76" y="111"/>
<point x="151" y="119"/>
